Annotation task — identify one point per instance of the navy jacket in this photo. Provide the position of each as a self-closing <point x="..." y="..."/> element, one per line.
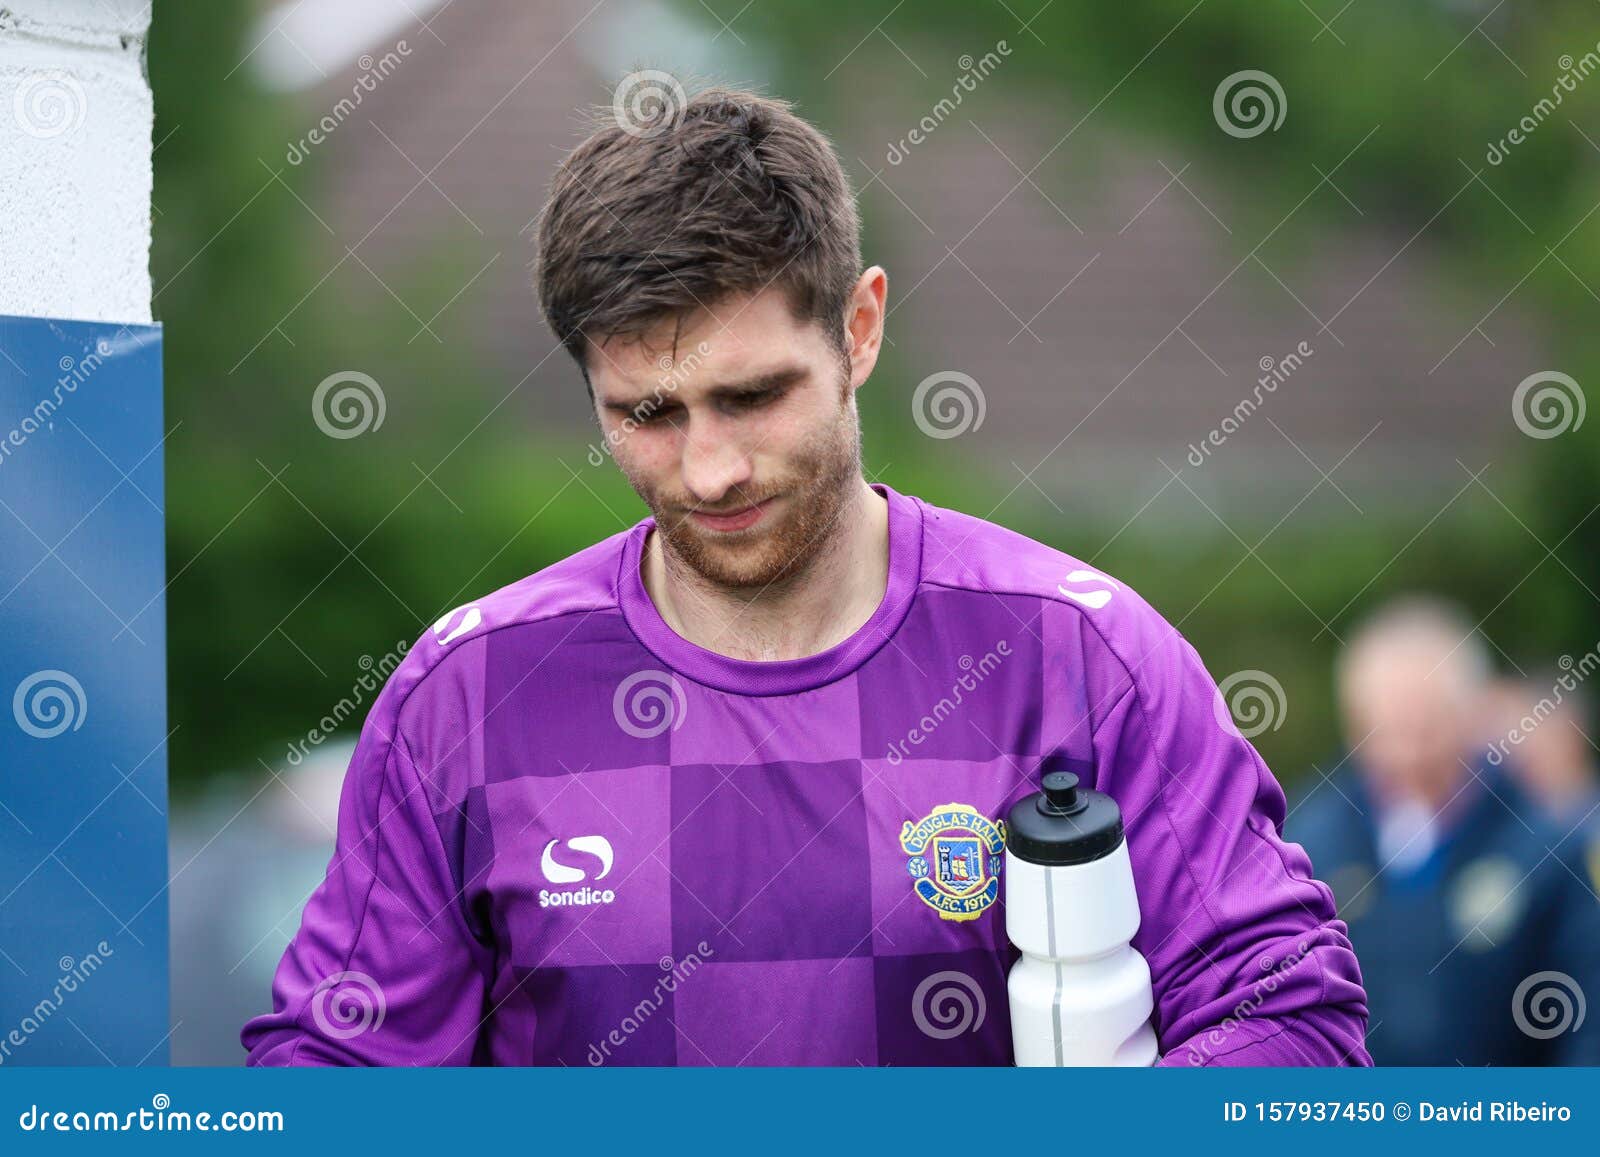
<point x="1486" y="954"/>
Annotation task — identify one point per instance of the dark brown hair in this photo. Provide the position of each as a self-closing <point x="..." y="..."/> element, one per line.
<point x="656" y="214"/>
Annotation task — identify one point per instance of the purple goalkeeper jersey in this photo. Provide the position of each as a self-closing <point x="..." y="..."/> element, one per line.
<point x="570" y="836"/>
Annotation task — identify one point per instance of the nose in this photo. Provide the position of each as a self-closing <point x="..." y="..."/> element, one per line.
<point x="714" y="462"/>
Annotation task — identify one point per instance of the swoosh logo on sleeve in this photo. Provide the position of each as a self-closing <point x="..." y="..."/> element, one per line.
<point x="1093" y="599"/>
<point x="471" y="619"/>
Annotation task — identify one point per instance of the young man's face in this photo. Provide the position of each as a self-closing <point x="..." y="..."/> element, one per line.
<point x="747" y="447"/>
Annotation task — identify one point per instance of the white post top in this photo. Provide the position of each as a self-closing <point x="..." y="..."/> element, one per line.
<point x="75" y="145"/>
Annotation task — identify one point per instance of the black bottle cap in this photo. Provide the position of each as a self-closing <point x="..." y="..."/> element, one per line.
<point x="1064" y="823"/>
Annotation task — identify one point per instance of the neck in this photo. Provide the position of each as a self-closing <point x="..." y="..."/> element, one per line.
<point x="816" y="608"/>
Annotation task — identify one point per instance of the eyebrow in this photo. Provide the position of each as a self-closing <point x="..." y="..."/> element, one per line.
<point x="732" y="391"/>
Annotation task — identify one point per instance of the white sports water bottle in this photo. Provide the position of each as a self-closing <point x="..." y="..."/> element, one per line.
<point x="1080" y="994"/>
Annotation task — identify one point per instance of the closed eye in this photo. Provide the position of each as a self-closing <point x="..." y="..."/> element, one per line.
<point x="754" y="400"/>
<point x="648" y="415"/>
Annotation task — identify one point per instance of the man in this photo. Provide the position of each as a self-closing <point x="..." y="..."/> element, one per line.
<point x="665" y="802"/>
<point x="1541" y="728"/>
<point x="1479" y="936"/>
<point x="1542" y="724"/>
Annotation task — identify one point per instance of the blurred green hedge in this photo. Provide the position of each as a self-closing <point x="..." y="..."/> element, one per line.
<point x="263" y="568"/>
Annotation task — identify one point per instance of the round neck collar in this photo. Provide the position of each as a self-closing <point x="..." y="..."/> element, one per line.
<point x="782" y="676"/>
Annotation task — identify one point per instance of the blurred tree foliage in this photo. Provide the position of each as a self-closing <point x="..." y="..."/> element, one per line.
<point x="1442" y="82"/>
<point x="292" y="555"/>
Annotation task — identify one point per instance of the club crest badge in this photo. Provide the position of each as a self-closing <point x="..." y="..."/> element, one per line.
<point x="955" y="858"/>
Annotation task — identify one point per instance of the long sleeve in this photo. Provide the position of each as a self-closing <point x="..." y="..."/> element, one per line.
<point x="1552" y="1001"/>
<point x="1249" y="964"/>
<point x="383" y="970"/>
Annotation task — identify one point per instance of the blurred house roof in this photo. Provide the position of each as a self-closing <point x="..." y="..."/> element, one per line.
<point x="1114" y="304"/>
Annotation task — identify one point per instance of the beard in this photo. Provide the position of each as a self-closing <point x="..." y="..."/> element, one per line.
<point x="785" y="543"/>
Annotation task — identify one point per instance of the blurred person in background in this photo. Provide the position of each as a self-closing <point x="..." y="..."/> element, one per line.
<point x="1542" y="729"/>
<point x="1478" y="934"/>
<point x="244" y="858"/>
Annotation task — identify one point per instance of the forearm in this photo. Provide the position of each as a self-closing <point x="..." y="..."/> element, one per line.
<point x="1326" y="1038"/>
<point x="1249" y="962"/>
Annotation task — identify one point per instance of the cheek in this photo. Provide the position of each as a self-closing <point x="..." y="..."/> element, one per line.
<point x="645" y="453"/>
<point x="800" y="431"/>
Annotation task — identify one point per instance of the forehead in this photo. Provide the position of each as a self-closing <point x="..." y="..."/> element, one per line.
<point x="734" y="340"/>
<point x="1409" y="686"/>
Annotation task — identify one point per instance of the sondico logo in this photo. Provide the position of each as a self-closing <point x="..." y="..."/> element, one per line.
<point x="1097" y="596"/>
<point x="596" y="847"/>
<point x="456" y="623"/>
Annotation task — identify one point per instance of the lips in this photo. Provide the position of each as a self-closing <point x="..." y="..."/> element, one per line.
<point x="733" y="520"/>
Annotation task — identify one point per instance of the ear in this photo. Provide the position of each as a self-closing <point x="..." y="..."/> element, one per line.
<point x="864" y="321"/>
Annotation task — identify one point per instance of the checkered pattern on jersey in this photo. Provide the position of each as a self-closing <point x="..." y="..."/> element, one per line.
<point x="757" y="903"/>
